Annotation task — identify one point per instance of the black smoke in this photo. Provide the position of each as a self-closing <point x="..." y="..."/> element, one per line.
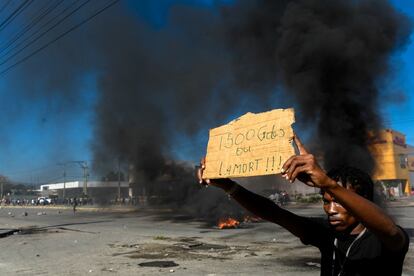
<point x="331" y="57"/>
<point x="327" y="58"/>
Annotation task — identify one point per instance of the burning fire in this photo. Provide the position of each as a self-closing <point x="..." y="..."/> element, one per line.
<point x="225" y="223"/>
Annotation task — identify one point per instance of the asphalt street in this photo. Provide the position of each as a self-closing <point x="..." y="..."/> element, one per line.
<point x="53" y="241"/>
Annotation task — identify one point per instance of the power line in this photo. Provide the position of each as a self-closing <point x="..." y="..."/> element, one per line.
<point x="4" y="6"/>
<point x="15" y="13"/>
<point x="45" y="32"/>
<point x="40" y="28"/>
<point x="60" y="36"/>
<point x="30" y="25"/>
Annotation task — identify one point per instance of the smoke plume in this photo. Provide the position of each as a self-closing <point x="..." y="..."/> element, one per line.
<point x="331" y="57"/>
<point x="328" y="58"/>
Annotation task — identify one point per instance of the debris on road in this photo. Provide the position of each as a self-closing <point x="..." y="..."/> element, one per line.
<point x="159" y="264"/>
<point x="313" y="264"/>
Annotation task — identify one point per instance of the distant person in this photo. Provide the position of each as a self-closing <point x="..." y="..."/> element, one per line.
<point x="356" y="238"/>
<point x="74" y="203"/>
<point x="275" y="197"/>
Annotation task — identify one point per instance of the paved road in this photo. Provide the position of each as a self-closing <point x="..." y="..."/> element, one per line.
<point x="57" y="242"/>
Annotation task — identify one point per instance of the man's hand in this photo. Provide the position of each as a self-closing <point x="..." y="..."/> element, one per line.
<point x="200" y="170"/>
<point x="223" y="183"/>
<point x="305" y="168"/>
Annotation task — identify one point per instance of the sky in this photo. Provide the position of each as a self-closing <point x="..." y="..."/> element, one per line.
<point x="41" y="127"/>
<point x="399" y="113"/>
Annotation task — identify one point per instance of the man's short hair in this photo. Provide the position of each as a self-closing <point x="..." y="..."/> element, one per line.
<point x="360" y="181"/>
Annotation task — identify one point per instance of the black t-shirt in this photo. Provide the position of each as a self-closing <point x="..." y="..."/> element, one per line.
<point x="368" y="256"/>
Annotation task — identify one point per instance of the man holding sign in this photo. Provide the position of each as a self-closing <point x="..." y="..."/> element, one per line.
<point x="357" y="238"/>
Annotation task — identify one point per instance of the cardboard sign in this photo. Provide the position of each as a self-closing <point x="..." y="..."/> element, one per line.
<point x="254" y="144"/>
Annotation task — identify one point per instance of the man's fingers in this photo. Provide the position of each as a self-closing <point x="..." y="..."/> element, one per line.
<point x="297" y="162"/>
<point x="293" y="161"/>
<point x="200" y="175"/>
<point x="301" y="147"/>
<point x="287" y="164"/>
<point x="297" y="171"/>
<point x="200" y="171"/>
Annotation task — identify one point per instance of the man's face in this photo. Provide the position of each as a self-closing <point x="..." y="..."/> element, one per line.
<point x="339" y="218"/>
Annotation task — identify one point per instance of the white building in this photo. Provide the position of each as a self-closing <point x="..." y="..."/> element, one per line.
<point x="99" y="191"/>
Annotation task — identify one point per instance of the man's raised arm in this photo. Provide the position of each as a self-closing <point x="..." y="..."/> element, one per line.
<point x="258" y="205"/>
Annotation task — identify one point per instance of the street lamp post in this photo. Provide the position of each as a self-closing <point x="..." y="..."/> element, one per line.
<point x="84" y="166"/>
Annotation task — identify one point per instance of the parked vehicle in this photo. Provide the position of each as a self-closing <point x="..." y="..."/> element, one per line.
<point x="44" y="201"/>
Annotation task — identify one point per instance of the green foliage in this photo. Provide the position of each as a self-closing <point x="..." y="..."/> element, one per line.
<point x="311" y="198"/>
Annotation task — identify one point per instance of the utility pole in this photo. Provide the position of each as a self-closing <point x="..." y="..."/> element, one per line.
<point x="119" y="181"/>
<point x="2" y="183"/>
<point x="84" y="166"/>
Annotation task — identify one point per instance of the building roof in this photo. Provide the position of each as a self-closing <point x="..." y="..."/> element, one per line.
<point x="79" y="184"/>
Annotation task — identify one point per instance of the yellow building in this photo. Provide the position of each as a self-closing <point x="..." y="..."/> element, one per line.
<point x="391" y="152"/>
<point x="410" y="154"/>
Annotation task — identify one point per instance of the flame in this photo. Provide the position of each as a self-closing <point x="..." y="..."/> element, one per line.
<point x="225" y="223"/>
